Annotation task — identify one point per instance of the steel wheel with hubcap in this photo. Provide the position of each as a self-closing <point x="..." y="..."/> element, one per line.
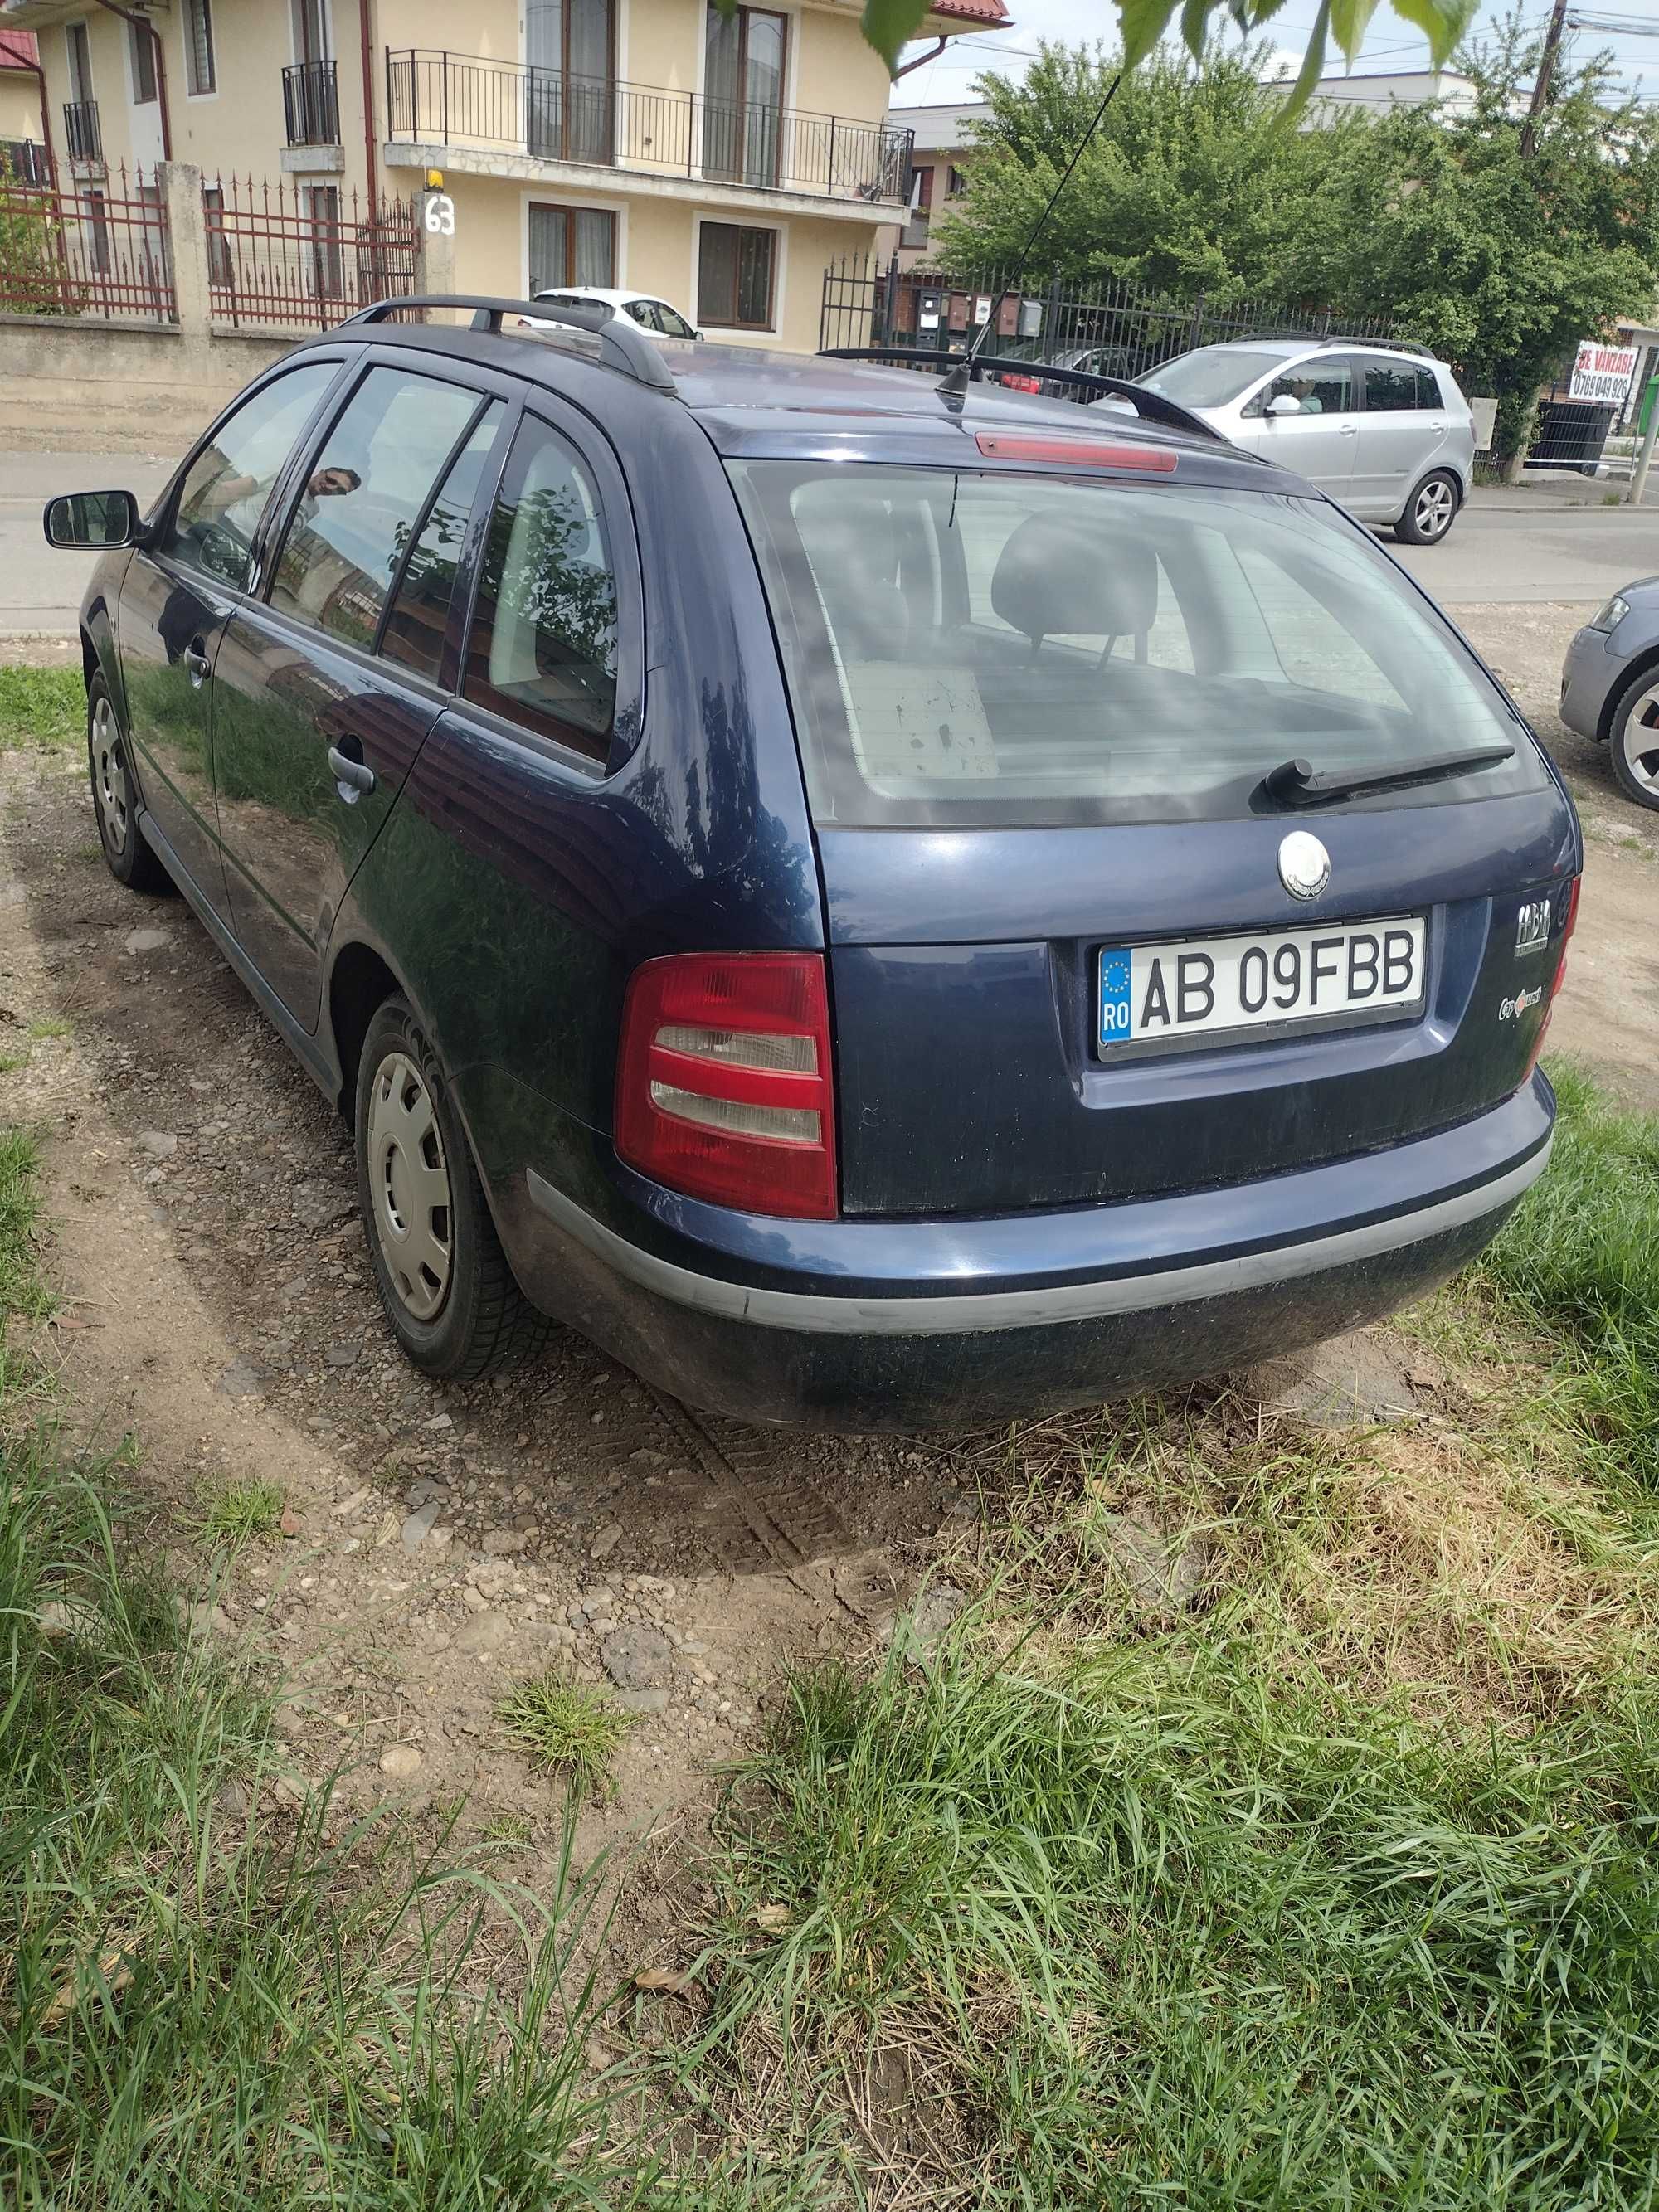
<point x="1432" y="511"/>
<point x="115" y="799"/>
<point x="1635" y="739"/>
<point x="444" y="1281"/>
<point x="410" y="1184"/>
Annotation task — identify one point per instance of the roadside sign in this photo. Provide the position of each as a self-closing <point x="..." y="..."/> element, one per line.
<point x="1485" y="411"/>
<point x="1602" y="373"/>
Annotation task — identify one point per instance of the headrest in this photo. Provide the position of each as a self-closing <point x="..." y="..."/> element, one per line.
<point x="1064" y="578"/>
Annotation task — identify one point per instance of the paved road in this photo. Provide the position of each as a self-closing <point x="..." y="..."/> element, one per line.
<point x="1510" y="551"/>
<point x="1507" y="547"/>
<point x="40" y="590"/>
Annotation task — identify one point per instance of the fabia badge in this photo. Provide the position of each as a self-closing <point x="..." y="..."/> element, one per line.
<point x="1532" y="926"/>
<point x="1305" y="865"/>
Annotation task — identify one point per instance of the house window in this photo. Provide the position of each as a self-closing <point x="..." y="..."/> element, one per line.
<point x="735" y="276"/>
<point x="571" y="246"/>
<point x="221" y="269"/>
<point x="143" y="63"/>
<point x="744" y="60"/>
<point x="956" y="183"/>
<point x="322" y="202"/>
<point x="199" y="72"/>
<point x="80" y="63"/>
<point x="923" y="196"/>
<point x="95" y="222"/>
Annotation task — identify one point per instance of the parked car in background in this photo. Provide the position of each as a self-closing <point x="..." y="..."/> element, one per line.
<point x="884" y="907"/>
<point x="1381" y="429"/>
<point x="647" y="313"/>
<point x="1125" y="362"/>
<point x="1610" y="686"/>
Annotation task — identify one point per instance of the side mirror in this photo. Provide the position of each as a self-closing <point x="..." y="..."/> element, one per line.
<point x="91" y="521"/>
<point x="1285" y="403"/>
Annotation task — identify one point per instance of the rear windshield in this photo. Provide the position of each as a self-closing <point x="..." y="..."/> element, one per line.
<point x="1212" y="376"/>
<point x="989" y="648"/>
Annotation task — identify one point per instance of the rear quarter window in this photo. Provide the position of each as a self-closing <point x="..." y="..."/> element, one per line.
<point x="991" y="648"/>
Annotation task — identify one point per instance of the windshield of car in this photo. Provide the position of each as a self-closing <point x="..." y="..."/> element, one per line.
<point x="1212" y="376"/>
<point x="987" y="648"/>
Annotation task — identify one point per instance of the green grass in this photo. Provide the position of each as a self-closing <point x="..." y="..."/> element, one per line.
<point x="1157" y="1926"/>
<point x="41" y="706"/>
<point x="239" y="1513"/>
<point x="51" y="1025"/>
<point x="21" y="1293"/>
<point x="565" y="1728"/>
<point x="1581" y="1259"/>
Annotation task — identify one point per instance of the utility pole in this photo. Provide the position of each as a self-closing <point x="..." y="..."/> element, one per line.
<point x="1540" y="91"/>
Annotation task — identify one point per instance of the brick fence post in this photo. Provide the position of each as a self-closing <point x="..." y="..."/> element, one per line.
<point x="181" y="202"/>
<point x="435" y="254"/>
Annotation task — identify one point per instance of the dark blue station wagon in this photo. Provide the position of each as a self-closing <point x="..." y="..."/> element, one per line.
<point x="884" y="905"/>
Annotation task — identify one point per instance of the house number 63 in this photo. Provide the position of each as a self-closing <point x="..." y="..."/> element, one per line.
<point x="440" y="215"/>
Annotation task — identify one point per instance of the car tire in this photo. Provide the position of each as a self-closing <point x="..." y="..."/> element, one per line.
<point x="130" y="859"/>
<point x="1432" y="509"/>
<point x="1633" y="739"/>
<point x="443" y="1277"/>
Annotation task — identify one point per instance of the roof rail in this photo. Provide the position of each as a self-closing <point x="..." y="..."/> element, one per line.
<point x="1330" y="337"/>
<point x="623" y="345"/>
<point x="1150" y="406"/>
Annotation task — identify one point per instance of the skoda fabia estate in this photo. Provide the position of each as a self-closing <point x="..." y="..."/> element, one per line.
<point x="884" y="904"/>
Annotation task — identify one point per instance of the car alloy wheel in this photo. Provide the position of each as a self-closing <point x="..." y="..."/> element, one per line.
<point x="110" y="786"/>
<point x="1432" y="509"/>
<point x="409" y="1186"/>
<point x="1639" y="747"/>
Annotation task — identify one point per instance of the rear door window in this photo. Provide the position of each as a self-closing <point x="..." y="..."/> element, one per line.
<point x="217" y="517"/>
<point x="413" y="632"/>
<point x="543" y="648"/>
<point x="987" y="648"/>
<point x="364" y="495"/>
<point x="1392" y="388"/>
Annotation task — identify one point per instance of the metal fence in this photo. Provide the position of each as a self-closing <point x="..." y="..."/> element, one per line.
<point x="1126" y="330"/>
<point x="303" y="253"/>
<point x="449" y="99"/>
<point x="75" y="248"/>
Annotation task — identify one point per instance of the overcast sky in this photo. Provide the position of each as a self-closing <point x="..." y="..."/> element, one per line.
<point x="1391" y="44"/>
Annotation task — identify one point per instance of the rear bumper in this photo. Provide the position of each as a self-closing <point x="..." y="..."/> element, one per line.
<point x="871" y="1325"/>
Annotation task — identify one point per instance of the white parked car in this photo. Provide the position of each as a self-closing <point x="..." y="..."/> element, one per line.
<point x="651" y="315"/>
<point x="1384" y="429"/>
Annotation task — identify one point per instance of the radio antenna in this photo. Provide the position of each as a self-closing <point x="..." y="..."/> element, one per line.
<point x="954" y="385"/>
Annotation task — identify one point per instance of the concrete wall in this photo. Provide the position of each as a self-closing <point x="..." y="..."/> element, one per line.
<point x="19" y="105"/>
<point x="114" y="388"/>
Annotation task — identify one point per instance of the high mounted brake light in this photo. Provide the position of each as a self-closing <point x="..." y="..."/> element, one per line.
<point x="1091" y="453"/>
<point x="723" y="1080"/>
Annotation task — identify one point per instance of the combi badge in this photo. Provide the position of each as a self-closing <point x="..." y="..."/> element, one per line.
<point x="1532" y="926"/>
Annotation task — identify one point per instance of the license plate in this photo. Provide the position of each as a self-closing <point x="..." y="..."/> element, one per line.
<point x="1218" y="985"/>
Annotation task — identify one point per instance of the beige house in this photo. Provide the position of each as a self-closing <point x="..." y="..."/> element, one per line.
<point x="719" y="161"/>
<point x="19" y="99"/>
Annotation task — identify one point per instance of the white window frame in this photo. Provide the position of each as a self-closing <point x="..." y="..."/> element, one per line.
<point x="186" y="15"/>
<point x="741" y="333"/>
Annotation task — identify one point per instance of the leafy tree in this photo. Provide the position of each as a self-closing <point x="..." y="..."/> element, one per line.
<point x="1191" y="183"/>
<point x="1500" y="260"/>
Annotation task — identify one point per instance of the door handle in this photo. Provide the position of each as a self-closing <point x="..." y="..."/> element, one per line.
<point x="353" y="777"/>
<point x="198" y="664"/>
<point x="1351" y="429"/>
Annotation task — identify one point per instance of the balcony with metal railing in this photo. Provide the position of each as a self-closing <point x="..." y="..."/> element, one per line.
<point x="310" y="105"/>
<point x="82" y="133"/>
<point x="464" y="103"/>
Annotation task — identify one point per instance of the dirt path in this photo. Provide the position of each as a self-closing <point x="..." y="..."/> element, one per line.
<point x="449" y="1541"/>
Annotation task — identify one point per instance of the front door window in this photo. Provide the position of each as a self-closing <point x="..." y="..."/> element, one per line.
<point x="742" y="95"/>
<point x="570" y="79"/>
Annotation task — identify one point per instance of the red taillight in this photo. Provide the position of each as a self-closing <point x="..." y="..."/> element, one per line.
<point x="1559" y="976"/>
<point x="723" y="1080"/>
<point x="1092" y="453"/>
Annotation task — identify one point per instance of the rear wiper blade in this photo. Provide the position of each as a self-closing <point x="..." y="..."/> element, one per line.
<point x="1295" y="783"/>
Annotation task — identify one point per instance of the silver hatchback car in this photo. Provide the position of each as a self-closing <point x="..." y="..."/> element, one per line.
<point x="1384" y="429"/>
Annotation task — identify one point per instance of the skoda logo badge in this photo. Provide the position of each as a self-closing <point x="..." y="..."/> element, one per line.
<point x="1305" y="865"/>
